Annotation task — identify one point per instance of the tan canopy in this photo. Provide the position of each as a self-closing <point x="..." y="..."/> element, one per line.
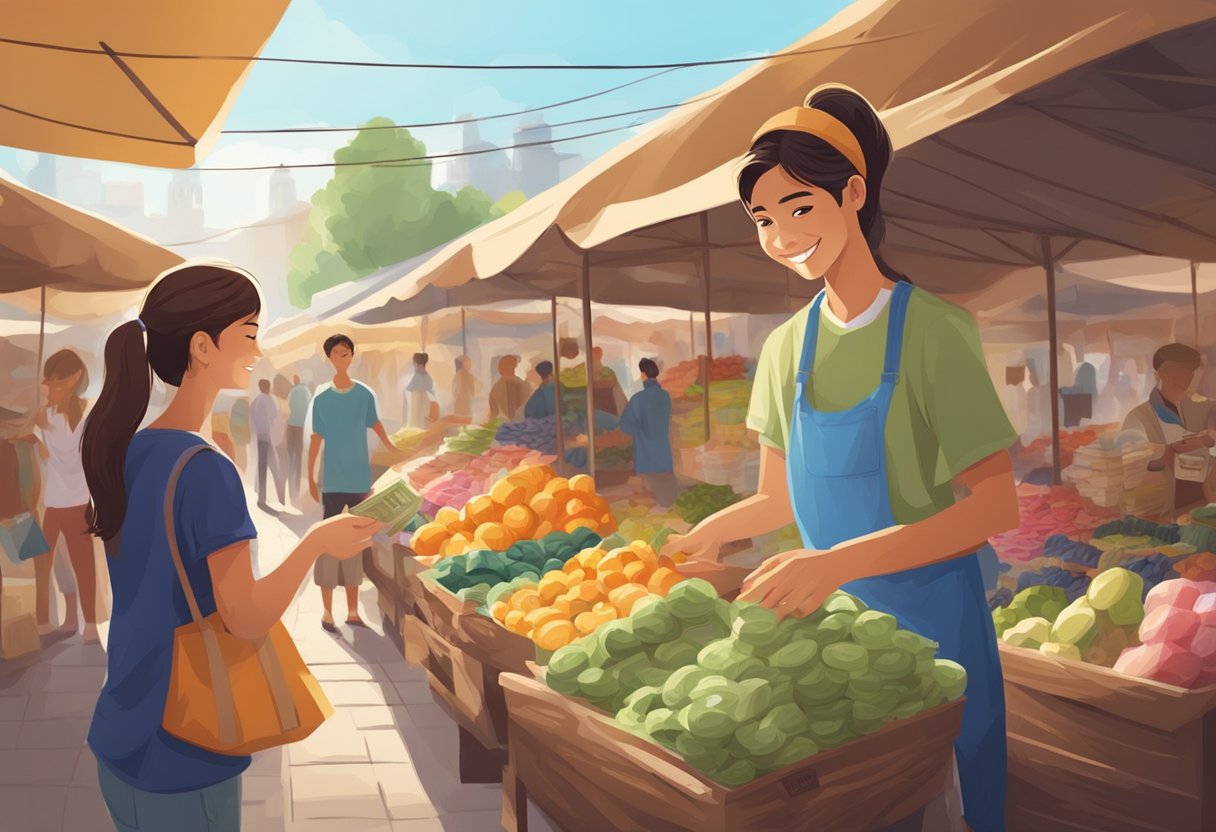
<point x="1021" y="127"/>
<point x="44" y="242"/>
<point x="145" y="81"/>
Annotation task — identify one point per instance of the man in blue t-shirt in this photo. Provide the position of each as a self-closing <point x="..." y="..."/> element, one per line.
<point x="341" y="416"/>
<point x="297" y="404"/>
<point x="647" y="418"/>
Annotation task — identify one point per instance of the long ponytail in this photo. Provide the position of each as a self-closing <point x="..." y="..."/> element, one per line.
<point x="108" y="430"/>
<point x="184" y="301"/>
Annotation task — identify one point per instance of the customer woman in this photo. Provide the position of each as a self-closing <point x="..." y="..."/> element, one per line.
<point x="198" y="332"/>
<point x="66" y="494"/>
<point x="874" y="408"/>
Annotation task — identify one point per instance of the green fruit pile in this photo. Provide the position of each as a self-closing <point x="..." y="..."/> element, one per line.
<point x="738" y="694"/>
<point x="484" y="576"/>
<point x="700" y="501"/>
<point x="1095" y="628"/>
<point x="474" y="441"/>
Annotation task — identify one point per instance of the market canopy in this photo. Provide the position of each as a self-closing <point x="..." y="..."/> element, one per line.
<point x="1020" y="129"/>
<point x="45" y="243"/>
<point x="144" y="81"/>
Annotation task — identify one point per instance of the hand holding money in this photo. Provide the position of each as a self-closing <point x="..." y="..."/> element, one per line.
<point x="395" y="505"/>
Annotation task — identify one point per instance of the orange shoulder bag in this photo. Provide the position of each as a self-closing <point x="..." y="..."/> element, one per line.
<point x="228" y="694"/>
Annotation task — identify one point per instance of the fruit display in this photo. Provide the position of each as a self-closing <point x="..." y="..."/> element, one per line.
<point x="738" y="694"/>
<point x="640" y="520"/>
<point x="1199" y="567"/>
<point x="590" y="590"/>
<point x="999" y="598"/>
<point x="540" y="434"/>
<point x="676" y="380"/>
<point x="1178" y="636"/>
<point x="1153" y="569"/>
<point x="1096" y="627"/>
<point x="474" y="475"/>
<point x="1207" y="512"/>
<point x="423" y="473"/>
<point x="700" y="501"/>
<point x="1072" y="584"/>
<point x="472" y="577"/>
<point x="474" y="440"/>
<point x="1046" y="511"/>
<point x="529" y="503"/>
<point x="576" y="376"/>
<point x="1070" y="442"/>
<point x="1159" y="533"/>
<point x="617" y="457"/>
<point x="1071" y="551"/>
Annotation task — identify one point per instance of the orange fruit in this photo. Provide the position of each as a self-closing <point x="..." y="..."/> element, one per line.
<point x="499" y="610"/>
<point x="612" y="563"/>
<point x="557" y="485"/>
<point x="577" y="576"/>
<point x="572" y="526"/>
<point x="644" y="550"/>
<point x="542" y="615"/>
<point x="590" y="558"/>
<point x="610" y="581"/>
<point x="663" y="580"/>
<point x="637" y="572"/>
<point x="666" y="562"/>
<point x="507" y="493"/>
<point x="608" y="522"/>
<point x="543" y="530"/>
<point x="482" y="510"/>
<point x="545" y="506"/>
<point x="583" y="484"/>
<point x="431" y="538"/>
<point x="521" y="521"/>
<point x="575" y="507"/>
<point x="514" y="621"/>
<point x="586" y="622"/>
<point x="541" y="473"/>
<point x="552" y="586"/>
<point x="447" y="516"/>
<point x="457" y="545"/>
<point x="526" y="599"/>
<point x="495" y="536"/>
<point x="624" y="597"/>
<point x="555" y="634"/>
<point x="587" y="591"/>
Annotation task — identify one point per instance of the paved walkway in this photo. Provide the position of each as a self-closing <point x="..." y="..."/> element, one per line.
<point x="386" y="761"/>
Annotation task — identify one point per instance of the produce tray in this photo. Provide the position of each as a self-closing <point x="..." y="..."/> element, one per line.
<point x="578" y="765"/>
<point x="1092" y="750"/>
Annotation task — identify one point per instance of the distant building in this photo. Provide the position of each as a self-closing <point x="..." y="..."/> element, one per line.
<point x="185" y="206"/>
<point x="535" y="161"/>
<point x="487" y="166"/>
<point x="282" y="192"/>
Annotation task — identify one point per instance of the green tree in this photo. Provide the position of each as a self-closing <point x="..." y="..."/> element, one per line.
<point x="371" y="216"/>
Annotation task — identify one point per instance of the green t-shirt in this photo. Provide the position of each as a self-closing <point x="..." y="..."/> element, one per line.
<point x="945" y="414"/>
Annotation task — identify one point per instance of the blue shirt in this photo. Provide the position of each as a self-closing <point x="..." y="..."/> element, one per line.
<point x="297" y="406"/>
<point x="341" y="418"/>
<point x="210" y="514"/>
<point x="647" y="418"/>
<point x="541" y="403"/>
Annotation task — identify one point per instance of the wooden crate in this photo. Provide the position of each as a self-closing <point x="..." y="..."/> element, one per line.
<point x="586" y="773"/>
<point x="1092" y="750"/>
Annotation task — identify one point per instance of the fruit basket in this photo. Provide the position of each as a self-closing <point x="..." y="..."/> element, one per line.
<point x="576" y="764"/>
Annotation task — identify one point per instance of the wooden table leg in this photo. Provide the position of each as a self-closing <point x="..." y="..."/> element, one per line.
<point x="514" y="802"/>
<point x="479" y="764"/>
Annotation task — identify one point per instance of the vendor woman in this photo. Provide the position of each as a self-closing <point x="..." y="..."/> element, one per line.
<point x="882" y="435"/>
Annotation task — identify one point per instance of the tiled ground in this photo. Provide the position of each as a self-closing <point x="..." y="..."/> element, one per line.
<point x="386" y="762"/>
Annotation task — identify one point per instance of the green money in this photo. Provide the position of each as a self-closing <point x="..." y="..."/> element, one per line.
<point x="395" y="506"/>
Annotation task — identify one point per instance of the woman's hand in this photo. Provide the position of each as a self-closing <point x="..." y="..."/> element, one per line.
<point x="698" y="546"/>
<point x="342" y="537"/>
<point x="797" y="582"/>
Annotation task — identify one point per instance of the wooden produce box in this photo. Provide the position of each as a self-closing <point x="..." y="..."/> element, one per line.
<point x="587" y="773"/>
<point x="1092" y="750"/>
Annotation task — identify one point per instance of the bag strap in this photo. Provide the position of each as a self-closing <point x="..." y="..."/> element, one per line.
<point x="171" y="529"/>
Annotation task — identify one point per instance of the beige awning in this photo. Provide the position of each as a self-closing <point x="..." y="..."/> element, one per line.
<point x="75" y="87"/>
<point x="1013" y="121"/>
<point x="44" y="242"/>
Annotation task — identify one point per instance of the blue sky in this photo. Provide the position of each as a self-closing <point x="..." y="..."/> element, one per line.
<point x="474" y="31"/>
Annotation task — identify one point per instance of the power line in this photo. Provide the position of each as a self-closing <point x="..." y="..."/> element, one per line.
<point x="457" y="122"/>
<point x="408" y="161"/>
<point x="495" y="67"/>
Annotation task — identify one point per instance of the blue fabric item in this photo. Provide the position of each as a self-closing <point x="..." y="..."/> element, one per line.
<point x="149" y="604"/>
<point x="22" y="538"/>
<point x="1164" y="412"/>
<point x="838" y="485"/>
<point x="541" y="404"/>
<point x="213" y="809"/>
<point x="341" y="418"/>
<point x="297" y="406"/>
<point x="647" y="418"/>
<point x="420" y="383"/>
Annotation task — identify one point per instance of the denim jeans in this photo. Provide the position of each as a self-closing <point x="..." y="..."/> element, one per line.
<point x="213" y="809"/>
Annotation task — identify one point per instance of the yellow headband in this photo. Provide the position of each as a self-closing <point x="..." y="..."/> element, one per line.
<point x="821" y="125"/>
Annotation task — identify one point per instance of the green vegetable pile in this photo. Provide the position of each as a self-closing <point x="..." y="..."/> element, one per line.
<point x="737" y="694"/>
<point x="484" y="576"/>
<point x="620" y="456"/>
<point x="474" y="441"/>
<point x="700" y="501"/>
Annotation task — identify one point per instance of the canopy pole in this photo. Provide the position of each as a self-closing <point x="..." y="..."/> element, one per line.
<point x="709" y="333"/>
<point x="588" y="364"/>
<point x="692" y="335"/>
<point x="425" y="322"/>
<point x="557" y="394"/>
<point x="464" y="337"/>
<point x="1195" y="298"/>
<point x="41" y="347"/>
<point x="1053" y="362"/>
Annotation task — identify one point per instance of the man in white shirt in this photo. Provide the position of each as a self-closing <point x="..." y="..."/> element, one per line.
<point x="262" y="417"/>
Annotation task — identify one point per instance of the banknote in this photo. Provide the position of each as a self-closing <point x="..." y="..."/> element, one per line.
<point x="393" y="503"/>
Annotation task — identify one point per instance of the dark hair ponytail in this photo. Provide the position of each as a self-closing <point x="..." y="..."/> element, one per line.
<point x="812" y="160"/>
<point x="186" y="300"/>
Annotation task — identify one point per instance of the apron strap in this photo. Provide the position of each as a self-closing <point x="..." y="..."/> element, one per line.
<point x="809" y="340"/>
<point x="897" y="317"/>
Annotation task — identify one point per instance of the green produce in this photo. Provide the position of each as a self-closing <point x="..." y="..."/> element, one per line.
<point x="738" y="694"/>
<point x="1113" y="586"/>
<point x="1029" y="633"/>
<point x="700" y="501"/>
<point x="521" y="565"/>
<point x="1064" y="651"/>
<point x="474" y="441"/>
<point x="1077" y="625"/>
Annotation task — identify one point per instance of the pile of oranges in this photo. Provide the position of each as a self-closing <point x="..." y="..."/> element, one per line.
<point x="526" y="504"/>
<point x="595" y="586"/>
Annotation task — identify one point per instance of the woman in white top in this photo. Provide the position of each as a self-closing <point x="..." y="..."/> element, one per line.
<point x="66" y="496"/>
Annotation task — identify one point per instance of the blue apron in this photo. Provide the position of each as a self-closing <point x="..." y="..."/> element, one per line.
<point x="837" y="468"/>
